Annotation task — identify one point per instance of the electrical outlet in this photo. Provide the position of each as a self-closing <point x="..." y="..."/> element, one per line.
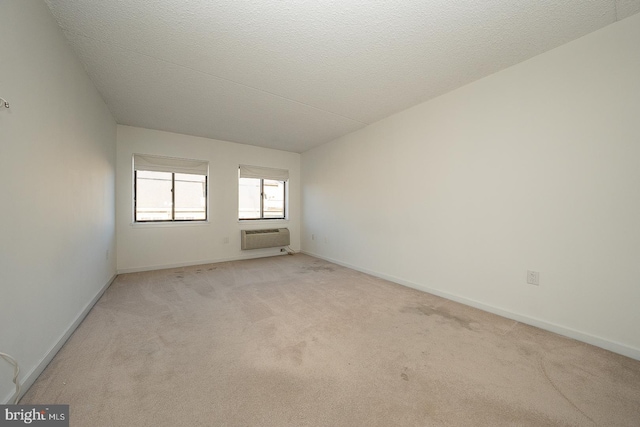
<point x="533" y="277"/>
<point x="313" y="237"/>
<point x="225" y="240"/>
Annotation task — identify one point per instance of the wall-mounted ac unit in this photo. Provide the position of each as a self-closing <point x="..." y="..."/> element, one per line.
<point x="268" y="238"/>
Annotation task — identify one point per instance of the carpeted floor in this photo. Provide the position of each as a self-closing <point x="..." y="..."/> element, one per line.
<point x="297" y="341"/>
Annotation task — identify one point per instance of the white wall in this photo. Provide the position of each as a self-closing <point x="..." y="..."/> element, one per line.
<point x="152" y="246"/>
<point x="536" y="167"/>
<point x="57" y="168"/>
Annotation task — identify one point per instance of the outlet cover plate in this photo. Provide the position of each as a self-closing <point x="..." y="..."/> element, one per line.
<point x="533" y="277"/>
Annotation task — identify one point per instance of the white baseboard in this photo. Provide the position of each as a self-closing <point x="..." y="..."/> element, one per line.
<point x="201" y="262"/>
<point x="28" y="380"/>
<point x="613" y="346"/>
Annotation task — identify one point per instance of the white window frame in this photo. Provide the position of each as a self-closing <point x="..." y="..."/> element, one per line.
<point x="262" y="173"/>
<point x="173" y="165"/>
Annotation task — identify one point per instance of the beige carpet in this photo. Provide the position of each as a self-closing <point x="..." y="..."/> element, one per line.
<point x="297" y="341"/>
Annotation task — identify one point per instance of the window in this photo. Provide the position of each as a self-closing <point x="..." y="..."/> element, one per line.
<point x="169" y="189"/>
<point x="262" y="193"/>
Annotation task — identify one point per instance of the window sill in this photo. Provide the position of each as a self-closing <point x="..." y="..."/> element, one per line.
<point x="263" y="221"/>
<point x="169" y="224"/>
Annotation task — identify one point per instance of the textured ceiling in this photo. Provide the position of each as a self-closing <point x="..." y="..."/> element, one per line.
<point x="292" y="75"/>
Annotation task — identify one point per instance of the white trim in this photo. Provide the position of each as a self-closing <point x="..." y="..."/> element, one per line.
<point x="613" y="346"/>
<point x="161" y="224"/>
<point x="201" y="262"/>
<point x="262" y="221"/>
<point x="27" y="380"/>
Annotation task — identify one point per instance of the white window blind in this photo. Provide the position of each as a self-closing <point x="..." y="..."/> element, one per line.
<point x="169" y="164"/>
<point x="263" y="173"/>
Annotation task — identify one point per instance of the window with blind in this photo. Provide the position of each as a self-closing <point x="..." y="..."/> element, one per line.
<point x="168" y="189"/>
<point x="262" y="193"/>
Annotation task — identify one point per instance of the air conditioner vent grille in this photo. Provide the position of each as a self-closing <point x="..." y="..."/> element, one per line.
<point x="269" y="230"/>
<point x="265" y="238"/>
